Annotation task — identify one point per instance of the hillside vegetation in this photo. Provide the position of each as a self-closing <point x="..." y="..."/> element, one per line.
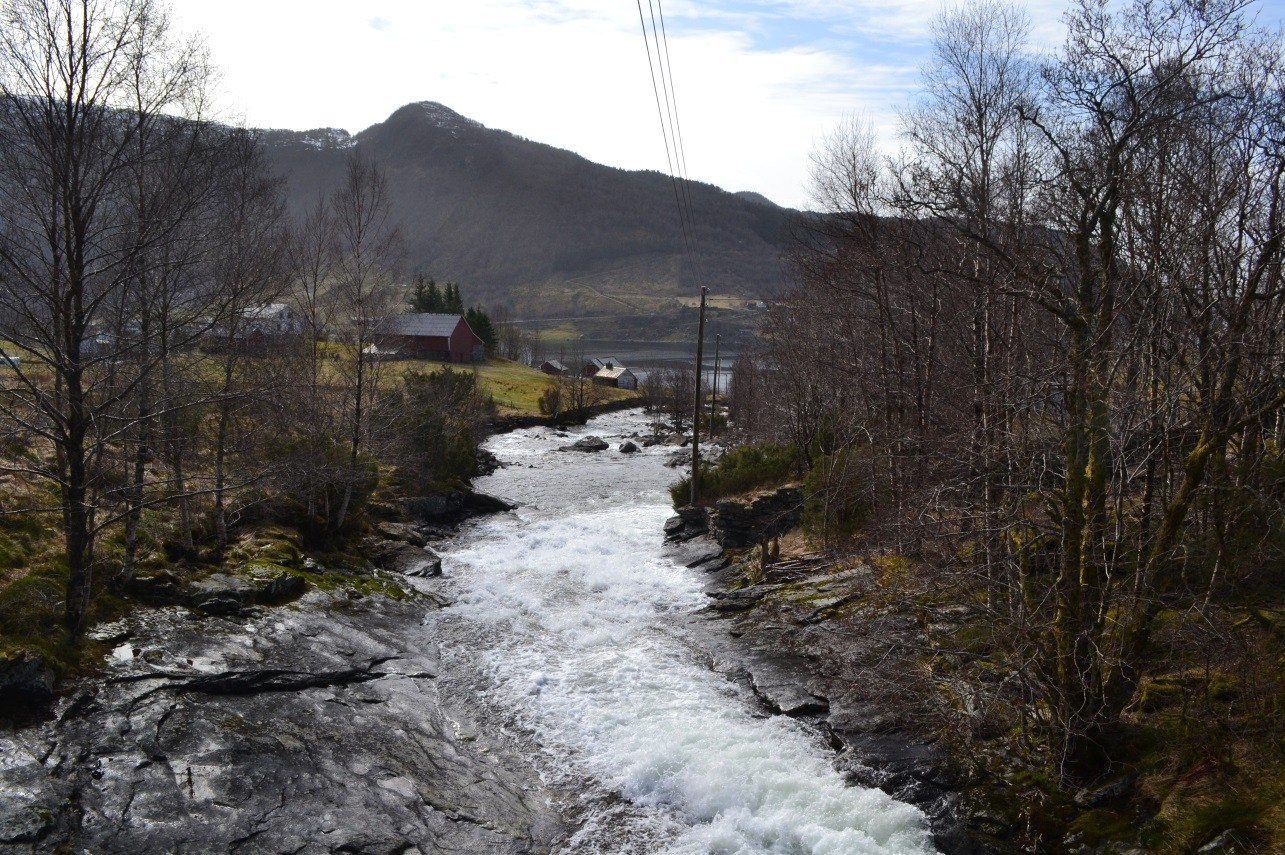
<point x="541" y="228"/>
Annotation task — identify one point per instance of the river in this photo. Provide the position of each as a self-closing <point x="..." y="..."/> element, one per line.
<point x="588" y="640"/>
<point x="552" y="692"/>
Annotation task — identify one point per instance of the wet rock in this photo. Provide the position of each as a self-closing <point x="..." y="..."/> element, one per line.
<point x="22" y="819"/>
<point x="628" y="447"/>
<point x="487" y="462"/>
<point x="109" y="633"/>
<point x="281" y="589"/>
<point x="402" y="532"/>
<point x="740" y="599"/>
<point x="336" y="739"/>
<point x="587" y="444"/>
<point x="484" y="503"/>
<point x="679" y="458"/>
<point x="221" y="594"/>
<point x="705" y="557"/>
<point x="689" y="523"/>
<point x="784" y="695"/>
<point x="409" y="560"/>
<point x="373" y="843"/>
<point x="450" y="508"/>
<point x="440" y="507"/>
<point x="678" y="439"/>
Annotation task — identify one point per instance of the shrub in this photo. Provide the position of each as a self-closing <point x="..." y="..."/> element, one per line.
<point x="741" y="469"/>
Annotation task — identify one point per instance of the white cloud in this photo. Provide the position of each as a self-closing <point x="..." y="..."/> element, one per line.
<point x="573" y="73"/>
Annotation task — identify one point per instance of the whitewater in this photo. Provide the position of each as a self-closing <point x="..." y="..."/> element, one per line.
<point x="585" y="641"/>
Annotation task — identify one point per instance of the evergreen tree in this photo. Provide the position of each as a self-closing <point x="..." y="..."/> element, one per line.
<point x="426" y="297"/>
<point x="453" y="303"/>
<point x="481" y="324"/>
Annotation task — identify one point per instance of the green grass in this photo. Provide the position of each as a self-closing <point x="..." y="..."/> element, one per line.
<point x="515" y="388"/>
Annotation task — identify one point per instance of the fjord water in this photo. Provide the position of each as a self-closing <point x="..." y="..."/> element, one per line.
<point x="584" y="634"/>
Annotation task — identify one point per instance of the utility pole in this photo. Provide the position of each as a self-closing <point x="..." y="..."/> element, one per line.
<point x="697" y="408"/>
<point x="713" y="399"/>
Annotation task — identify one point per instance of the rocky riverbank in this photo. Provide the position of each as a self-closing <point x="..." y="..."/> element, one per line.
<point x="331" y="725"/>
<point x="806" y="634"/>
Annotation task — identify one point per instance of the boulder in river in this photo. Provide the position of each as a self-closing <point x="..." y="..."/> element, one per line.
<point x="450" y="507"/>
<point x="588" y="444"/>
<point x="628" y="447"/>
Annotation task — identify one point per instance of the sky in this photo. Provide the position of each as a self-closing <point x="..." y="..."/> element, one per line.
<point x="758" y="83"/>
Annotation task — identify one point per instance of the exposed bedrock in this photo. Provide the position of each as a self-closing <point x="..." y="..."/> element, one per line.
<point x="290" y="731"/>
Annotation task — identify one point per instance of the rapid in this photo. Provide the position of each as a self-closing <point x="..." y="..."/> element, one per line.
<point x="586" y="645"/>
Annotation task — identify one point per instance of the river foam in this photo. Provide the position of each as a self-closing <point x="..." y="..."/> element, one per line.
<point x="584" y="627"/>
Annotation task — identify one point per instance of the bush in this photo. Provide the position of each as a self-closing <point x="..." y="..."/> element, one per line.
<point x="442" y="422"/>
<point x="743" y="468"/>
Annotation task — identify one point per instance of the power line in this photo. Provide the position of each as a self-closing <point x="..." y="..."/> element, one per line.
<point x="665" y="130"/>
<point x="677" y="126"/>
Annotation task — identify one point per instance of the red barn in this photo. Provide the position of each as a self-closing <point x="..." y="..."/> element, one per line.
<point x="445" y="337"/>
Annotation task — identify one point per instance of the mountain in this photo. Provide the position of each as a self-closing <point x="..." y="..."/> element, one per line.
<point x="538" y="227"/>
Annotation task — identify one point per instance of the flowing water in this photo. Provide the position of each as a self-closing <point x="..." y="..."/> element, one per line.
<point x="584" y="634"/>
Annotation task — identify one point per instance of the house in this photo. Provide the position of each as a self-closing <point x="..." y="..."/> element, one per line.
<point x="616" y="375"/>
<point x="430" y="336"/>
<point x="256" y="328"/>
<point x="592" y="367"/>
<point x="555" y="368"/>
<point x="271" y="323"/>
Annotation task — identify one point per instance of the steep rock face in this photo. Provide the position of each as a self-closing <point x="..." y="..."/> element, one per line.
<point x="736" y="524"/>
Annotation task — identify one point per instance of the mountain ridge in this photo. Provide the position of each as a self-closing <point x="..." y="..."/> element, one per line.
<point x="541" y="228"/>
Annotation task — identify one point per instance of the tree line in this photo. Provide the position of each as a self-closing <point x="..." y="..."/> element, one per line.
<point x="146" y="395"/>
<point x="1041" y="347"/>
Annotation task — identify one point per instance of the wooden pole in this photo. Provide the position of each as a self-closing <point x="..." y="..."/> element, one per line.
<point x="697" y="408"/>
<point x="713" y="398"/>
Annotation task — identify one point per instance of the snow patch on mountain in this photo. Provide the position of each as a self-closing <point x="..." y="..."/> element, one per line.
<point x="444" y="117"/>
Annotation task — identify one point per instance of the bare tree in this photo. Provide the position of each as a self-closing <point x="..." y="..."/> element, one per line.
<point x="84" y="85"/>
<point x="368" y="246"/>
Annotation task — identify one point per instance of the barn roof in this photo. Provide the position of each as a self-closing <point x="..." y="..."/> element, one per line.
<point x="613" y="373"/>
<point x="419" y="325"/>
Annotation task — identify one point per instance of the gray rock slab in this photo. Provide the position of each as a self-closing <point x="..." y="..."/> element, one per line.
<point x="313" y="730"/>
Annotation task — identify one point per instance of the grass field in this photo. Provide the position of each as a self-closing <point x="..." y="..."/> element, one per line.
<point x="516" y="388"/>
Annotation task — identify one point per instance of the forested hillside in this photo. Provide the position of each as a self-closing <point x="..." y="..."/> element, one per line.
<point x="515" y="219"/>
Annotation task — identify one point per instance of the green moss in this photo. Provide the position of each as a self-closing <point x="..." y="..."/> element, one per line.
<point x="362" y="584"/>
